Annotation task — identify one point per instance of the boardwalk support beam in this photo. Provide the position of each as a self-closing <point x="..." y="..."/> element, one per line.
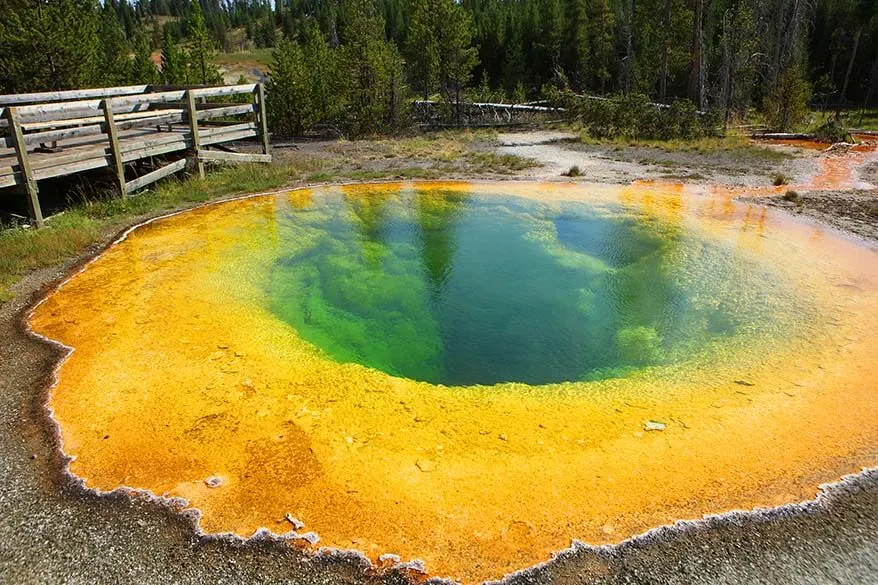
<point x="115" y="152"/>
<point x="30" y="183"/>
<point x="192" y="113"/>
<point x="263" y="119"/>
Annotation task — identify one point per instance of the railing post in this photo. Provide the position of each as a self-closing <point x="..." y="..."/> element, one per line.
<point x="115" y="151"/>
<point x="193" y="129"/>
<point x="30" y="183"/>
<point x="263" y="119"/>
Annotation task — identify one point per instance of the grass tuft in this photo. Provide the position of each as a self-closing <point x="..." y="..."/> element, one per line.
<point x="792" y="197"/>
<point x="780" y="179"/>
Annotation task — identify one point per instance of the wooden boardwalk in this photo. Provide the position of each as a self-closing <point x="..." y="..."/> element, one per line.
<point x="55" y="134"/>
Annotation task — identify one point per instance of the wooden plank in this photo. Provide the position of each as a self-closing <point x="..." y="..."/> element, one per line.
<point x="235" y="110"/>
<point x="155" y="175"/>
<point x="219" y="130"/>
<point x="122" y="104"/>
<point x="182" y="143"/>
<point x="228" y="137"/>
<point x="130" y="146"/>
<point x="73" y="168"/>
<point x="263" y="119"/>
<point x="99" y="156"/>
<point x="192" y="113"/>
<point x="30" y="182"/>
<point x="124" y="117"/>
<point x="115" y="151"/>
<point x="56" y="135"/>
<point x="10" y="180"/>
<point x="19" y="99"/>
<point x="219" y="156"/>
<point x="71" y="157"/>
<point x="223" y="90"/>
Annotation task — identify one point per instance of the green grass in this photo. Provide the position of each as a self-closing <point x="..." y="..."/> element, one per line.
<point x="23" y="250"/>
<point x="251" y="56"/>
<point x="853" y="118"/>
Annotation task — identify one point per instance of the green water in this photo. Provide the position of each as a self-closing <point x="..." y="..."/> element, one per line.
<point x="461" y="290"/>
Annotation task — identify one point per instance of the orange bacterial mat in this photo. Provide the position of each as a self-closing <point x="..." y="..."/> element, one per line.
<point x="184" y="382"/>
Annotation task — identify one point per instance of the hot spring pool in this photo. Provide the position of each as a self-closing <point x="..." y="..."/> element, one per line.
<point x="462" y="289"/>
<point x="473" y="375"/>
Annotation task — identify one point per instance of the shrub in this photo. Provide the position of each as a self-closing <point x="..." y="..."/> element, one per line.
<point x="832" y="131"/>
<point x="787" y="105"/>
<point x="573" y="171"/>
<point x="781" y="179"/>
<point x="635" y="117"/>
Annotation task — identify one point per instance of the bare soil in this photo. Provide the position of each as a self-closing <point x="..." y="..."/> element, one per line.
<point x="854" y="212"/>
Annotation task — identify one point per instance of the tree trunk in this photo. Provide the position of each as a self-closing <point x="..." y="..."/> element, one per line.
<point x="629" y="47"/>
<point x="728" y="73"/>
<point x="847" y="74"/>
<point x="696" y="73"/>
<point x="663" y="87"/>
<point x="870" y="88"/>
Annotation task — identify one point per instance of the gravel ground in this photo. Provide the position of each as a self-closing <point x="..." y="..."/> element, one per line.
<point x="54" y="531"/>
<point x="854" y="211"/>
<point x="559" y="151"/>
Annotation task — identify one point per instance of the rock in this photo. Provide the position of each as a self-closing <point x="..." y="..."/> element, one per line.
<point x="425" y="465"/>
<point x="744" y="383"/>
<point x="652" y="425"/>
<point x="213" y="481"/>
<point x="298" y="525"/>
<point x="607" y="529"/>
<point x="502" y="437"/>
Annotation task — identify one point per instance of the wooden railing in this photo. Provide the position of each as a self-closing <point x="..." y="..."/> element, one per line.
<point x="56" y="134"/>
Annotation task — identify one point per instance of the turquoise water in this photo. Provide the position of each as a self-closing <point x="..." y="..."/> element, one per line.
<point x="460" y="290"/>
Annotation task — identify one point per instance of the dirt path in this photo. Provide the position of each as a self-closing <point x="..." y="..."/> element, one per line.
<point x="53" y="531"/>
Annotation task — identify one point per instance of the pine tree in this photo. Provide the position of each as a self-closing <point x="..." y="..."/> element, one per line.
<point x="423" y="46"/>
<point x="173" y="61"/>
<point x="115" y="50"/>
<point x="142" y="68"/>
<point x="550" y="38"/>
<point x="601" y="43"/>
<point x="373" y="70"/>
<point x="290" y="109"/>
<point x="574" y="53"/>
<point x="457" y="56"/>
<point x="199" y="48"/>
<point x="50" y="45"/>
<point x="325" y="84"/>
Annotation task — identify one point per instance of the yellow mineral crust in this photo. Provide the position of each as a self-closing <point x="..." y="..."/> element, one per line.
<point x="181" y="374"/>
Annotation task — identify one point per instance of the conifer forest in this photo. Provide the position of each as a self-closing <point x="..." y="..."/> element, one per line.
<point x="361" y="64"/>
